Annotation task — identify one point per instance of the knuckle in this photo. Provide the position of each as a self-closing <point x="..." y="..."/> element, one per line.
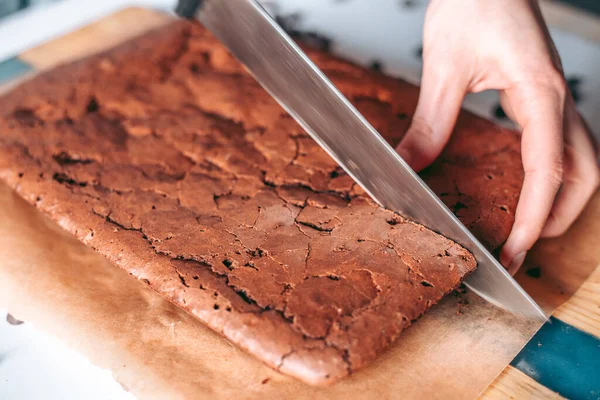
<point x="526" y="225"/>
<point x="528" y="229"/>
<point x="548" y="79"/>
<point x="422" y="129"/>
<point x="422" y="142"/>
<point x="424" y="138"/>
<point x="555" y="177"/>
<point x="553" y="174"/>
<point x="555" y="79"/>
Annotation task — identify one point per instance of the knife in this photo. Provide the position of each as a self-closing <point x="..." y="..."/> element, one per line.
<point x="283" y="69"/>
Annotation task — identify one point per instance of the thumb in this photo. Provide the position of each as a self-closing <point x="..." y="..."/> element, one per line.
<point x="439" y="104"/>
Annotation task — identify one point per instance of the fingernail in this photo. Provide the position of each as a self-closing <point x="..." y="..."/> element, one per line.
<point x="516" y="262"/>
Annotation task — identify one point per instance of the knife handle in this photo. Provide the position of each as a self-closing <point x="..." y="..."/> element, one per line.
<point x="187" y="8"/>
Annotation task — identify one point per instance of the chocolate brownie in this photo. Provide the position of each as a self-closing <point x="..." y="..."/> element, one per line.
<point x="168" y="158"/>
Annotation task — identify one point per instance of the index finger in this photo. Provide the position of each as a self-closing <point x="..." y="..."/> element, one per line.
<point x="539" y="110"/>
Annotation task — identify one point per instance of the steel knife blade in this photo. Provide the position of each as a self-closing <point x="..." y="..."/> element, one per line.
<point x="298" y="85"/>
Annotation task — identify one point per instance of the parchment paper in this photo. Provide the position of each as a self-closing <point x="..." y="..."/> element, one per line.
<point x="156" y="350"/>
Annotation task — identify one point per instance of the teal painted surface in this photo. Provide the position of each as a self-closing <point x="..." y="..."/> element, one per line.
<point x="13" y="68"/>
<point x="564" y="359"/>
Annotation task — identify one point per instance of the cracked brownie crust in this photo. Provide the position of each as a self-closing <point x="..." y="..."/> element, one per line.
<point x="168" y="158"/>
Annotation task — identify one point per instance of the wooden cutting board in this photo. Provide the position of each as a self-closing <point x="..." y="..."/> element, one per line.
<point x="546" y="274"/>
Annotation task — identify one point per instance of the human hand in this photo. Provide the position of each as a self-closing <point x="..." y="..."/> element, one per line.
<point x="476" y="45"/>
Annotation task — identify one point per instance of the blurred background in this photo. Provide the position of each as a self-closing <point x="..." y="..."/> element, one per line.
<point x="8" y="7"/>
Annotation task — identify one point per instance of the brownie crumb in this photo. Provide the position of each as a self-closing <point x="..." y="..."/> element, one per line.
<point x="289" y="22"/>
<point x="534" y="272"/>
<point x="459" y="291"/>
<point x="376" y="66"/>
<point x="419" y="53"/>
<point x="573" y="83"/>
<point x="12" y="320"/>
<point x="460" y="304"/>
<point x="315" y="40"/>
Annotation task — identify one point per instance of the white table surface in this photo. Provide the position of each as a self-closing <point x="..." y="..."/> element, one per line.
<point x="34" y="365"/>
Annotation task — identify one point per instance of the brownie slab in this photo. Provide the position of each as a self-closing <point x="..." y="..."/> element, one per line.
<point x="165" y="156"/>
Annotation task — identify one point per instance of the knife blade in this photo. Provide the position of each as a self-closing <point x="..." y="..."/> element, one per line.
<point x="283" y="69"/>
